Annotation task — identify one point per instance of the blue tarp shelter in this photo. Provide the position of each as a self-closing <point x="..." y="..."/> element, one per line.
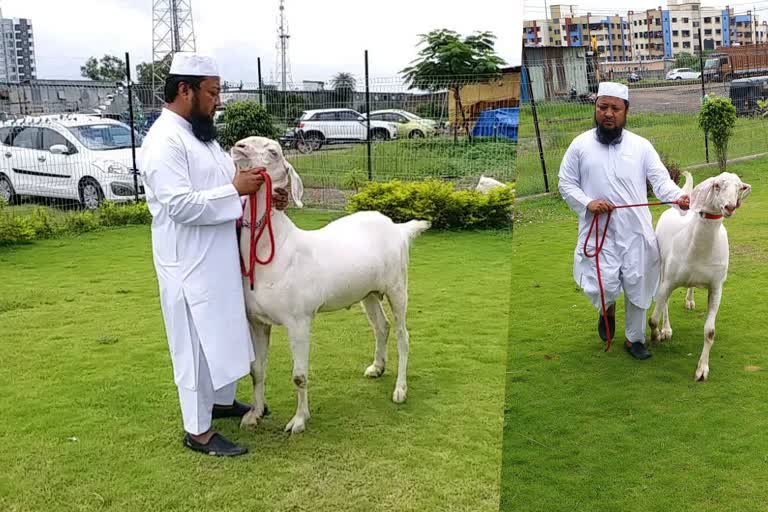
<point x="498" y="122"/>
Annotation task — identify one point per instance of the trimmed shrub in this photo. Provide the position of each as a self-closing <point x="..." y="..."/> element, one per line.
<point x="437" y="201"/>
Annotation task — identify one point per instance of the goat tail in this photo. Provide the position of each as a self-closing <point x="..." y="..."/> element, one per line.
<point x="414" y="228"/>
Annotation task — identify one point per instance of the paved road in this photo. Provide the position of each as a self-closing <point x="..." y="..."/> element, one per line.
<point x="682" y="99"/>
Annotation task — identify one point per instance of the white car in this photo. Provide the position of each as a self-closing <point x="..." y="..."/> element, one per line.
<point x="68" y="156"/>
<point x="683" y="74"/>
<point x="342" y="125"/>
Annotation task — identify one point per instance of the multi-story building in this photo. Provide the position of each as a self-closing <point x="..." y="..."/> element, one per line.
<point x="647" y="35"/>
<point x="17" y="50"/>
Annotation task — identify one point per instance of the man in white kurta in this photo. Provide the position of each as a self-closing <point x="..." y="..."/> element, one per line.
<point x="607" y="166"/>
<point x="194" y="194"/>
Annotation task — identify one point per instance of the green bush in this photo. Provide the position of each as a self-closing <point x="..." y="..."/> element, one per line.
<point x="718" y="118"/>
<point x="111" y="214"/>
<point x="14" y="229"/>
<point x="673" y="168"/>
<point x="80" y="222"/>
<point x="245" y="119"/>
<point x="437" y="201"/>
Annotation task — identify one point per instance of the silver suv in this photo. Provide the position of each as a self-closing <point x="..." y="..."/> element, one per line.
<point x="68" y="156"/>
<point x="341" y="125"/>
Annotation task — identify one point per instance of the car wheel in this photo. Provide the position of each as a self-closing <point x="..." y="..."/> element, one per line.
<point x="379" y="135"/>
<point x="91" y="194"/>
<point x="315" y="140"/>
<point x="678" y="78"/>
<point x="416" y="134"/>
<point x="7" y="193"/>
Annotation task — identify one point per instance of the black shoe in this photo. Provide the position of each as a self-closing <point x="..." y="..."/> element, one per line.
<point x="637" y="349"/>
<point x="236" y="410"/>
<point x="601" y="326"/>
<point x="217" y="445"/>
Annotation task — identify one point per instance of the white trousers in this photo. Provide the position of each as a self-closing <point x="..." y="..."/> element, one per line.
<point x="197" y="406"/>
<point x="634" y="321"/>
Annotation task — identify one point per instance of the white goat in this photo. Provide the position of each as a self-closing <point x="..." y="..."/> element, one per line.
<point x="487" y="184"/>
<point x="694" y="253"/>
<point x="359" y="258"/>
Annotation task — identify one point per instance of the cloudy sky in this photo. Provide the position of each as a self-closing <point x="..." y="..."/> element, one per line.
<point x="327" y="36"/>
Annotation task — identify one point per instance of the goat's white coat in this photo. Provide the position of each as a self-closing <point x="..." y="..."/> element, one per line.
<point x="694" y="253"/>
<point x="356" y="259"/>
<point x="487" y="184"/>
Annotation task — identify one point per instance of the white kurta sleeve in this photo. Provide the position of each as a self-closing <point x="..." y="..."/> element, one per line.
<point x="663" y="186"/>
<point x="569" y="181"/>
<point x="167" y="176"/>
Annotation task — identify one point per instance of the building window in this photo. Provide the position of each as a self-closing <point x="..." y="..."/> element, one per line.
<point x="708" y="32"/>
<point x="686" y="44"/>
<point x="675" y="32"/>
<point x="707" y="20"/>
<point x="718" y="31"/>
<point x="717" y="19"/>
<point x="686" y="20"/>
<point x="676" y="45"/>
<point x="674" y="20"/>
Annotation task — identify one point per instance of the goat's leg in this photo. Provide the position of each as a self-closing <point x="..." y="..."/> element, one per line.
<point x="666" y="331"/>
<point x="713" y="304"/>
<point x="298" y="335"/>
<point x="260" y="334"/>
<point x="689" y="303"/>
<point x="378" y="320"/>
<point x="660" y="308"/>
<point x="398" y="300"/>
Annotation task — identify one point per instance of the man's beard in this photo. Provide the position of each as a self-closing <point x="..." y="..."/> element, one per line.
<point x="608" y="135"/>
<point x="202" y="124"/>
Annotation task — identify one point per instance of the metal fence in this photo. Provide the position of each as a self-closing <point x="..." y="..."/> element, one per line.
<point x="558" y="105"/>
<point x="68" y="143"/>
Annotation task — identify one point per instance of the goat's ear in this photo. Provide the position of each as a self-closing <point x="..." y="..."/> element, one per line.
<point x="297" y="187"/>
<point x="701" y="194"/>
<point x="743" y="193"/>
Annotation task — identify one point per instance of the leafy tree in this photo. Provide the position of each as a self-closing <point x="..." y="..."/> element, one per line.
<point x="718" y="118"/>
<point x="109" y="69"/>
<point x="144" y="70"/>
<point x="245" y="119"/>
<point x="344" y="85"/>
<point x="448" y="60"/>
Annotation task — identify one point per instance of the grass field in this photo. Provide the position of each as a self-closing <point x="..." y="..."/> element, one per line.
<point x="408" y="160"/>
<point x="595" y="431"/>
<point x="90" y="412"/>
<point x="676" y="135"/>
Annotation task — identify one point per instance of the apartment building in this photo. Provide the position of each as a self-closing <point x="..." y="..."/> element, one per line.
<point x="646" y="35"/>
<point x="17" y="50"/>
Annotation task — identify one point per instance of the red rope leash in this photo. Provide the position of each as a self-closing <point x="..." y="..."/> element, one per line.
<point x="253" y="258"/>
<point x="599" y="242"/>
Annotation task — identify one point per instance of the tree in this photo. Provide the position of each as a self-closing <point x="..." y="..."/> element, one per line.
<point x="718" y="118"/>
<point x="245" y="119"/>
<point x="688" y="60"/>
<point x="109" y="69"/>
<point x="344" y="85"/>
<point x="450" y="61"/>
<point x="144" y="70"/>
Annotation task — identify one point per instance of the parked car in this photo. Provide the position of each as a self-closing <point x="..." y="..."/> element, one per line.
<point x="683" y="74"/>
<point x="408" y="124"/>
<point x="336" y="125"/>
<point x="69" y="156"/>
<point x="633" y="77"/>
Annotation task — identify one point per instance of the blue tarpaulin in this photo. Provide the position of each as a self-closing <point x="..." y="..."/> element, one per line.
<point x="498" y="122"/>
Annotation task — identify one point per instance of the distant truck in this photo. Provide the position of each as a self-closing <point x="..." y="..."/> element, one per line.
<point x="730" y="63"/>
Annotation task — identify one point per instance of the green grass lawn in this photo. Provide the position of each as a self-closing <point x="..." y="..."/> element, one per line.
<point x="595" y="431"/>
<point x="90" y="412"/>
<point x="676" y="135"/>
<point x="408" y="160"/>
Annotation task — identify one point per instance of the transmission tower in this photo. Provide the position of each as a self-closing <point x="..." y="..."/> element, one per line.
<point x="172" y="31"/>
<point x="283" y="62"/>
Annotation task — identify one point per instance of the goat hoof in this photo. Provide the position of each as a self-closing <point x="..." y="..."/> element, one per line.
<point x="296" y="425"/>
<point x="399" y="395"/>
<point x="702" y="374"/>
<point x="374" y="372"/>
<point x="690" y="305"/>
<point x="251" y="420"/>
<point x="666" y="334"/>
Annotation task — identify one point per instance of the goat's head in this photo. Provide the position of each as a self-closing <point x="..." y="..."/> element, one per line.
<point x="720" y="194"/>
<point x="261" y="152"/>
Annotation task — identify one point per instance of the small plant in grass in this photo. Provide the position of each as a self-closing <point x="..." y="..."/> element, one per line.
<point x="354" y="180"/>
<point x="111" y="214"/>
<point x="718" y="118"/>
<point x="80" y="222"/>
<point x="673" y="167"/>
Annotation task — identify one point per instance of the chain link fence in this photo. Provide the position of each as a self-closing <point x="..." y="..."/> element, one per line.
<point x="558" y="104"/>
<point x="68" y="144"/>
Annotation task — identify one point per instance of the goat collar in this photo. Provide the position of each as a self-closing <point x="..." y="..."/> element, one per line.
<point x="711" y="216"/>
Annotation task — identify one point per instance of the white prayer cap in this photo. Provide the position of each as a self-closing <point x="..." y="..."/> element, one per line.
<point x="193" y="64"/>
<point x="613" y="89"/>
